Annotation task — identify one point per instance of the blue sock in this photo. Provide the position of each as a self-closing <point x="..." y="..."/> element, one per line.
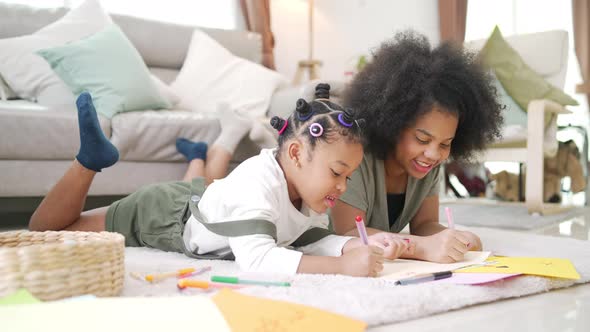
<point x="191" y="150"/>
<point x="96" y="151"/>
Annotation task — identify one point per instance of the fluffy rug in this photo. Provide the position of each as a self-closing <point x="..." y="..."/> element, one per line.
<point x="376" y="301"/>
<point x="508" y="216"/>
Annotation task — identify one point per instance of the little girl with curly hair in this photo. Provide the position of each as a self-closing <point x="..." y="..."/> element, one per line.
<point x="269" y="214"/>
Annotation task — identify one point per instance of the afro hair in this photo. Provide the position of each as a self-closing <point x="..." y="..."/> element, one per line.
<point x="407" y="77"/>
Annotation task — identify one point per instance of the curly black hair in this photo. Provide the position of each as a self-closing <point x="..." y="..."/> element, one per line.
<point x="308" y="118"/>
<point x="406" y="78"/>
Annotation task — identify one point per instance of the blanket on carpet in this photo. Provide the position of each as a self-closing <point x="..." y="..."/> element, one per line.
<point x="373" y="300"/>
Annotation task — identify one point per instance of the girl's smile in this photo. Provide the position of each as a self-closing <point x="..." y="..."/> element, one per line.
<point x="422" y="166"/>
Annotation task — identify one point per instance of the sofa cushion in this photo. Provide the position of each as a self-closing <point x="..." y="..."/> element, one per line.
<point x="521" y="82"/>
<point x="37" y="132"/>
<point x="151" y="135"/>
<point x="28" y="74"/>
<point x="108" y="67"/>
<point x="211" y="74"/>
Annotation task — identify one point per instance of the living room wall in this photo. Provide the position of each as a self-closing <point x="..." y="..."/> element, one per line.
<point x="344" y="29"/>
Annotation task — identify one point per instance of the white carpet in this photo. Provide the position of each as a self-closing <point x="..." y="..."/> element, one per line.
<point x="377" y="301"/>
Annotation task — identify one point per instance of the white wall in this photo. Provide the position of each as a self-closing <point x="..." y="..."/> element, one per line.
<point x="344" y="29"/>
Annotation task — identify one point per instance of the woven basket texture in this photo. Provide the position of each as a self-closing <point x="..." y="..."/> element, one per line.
<point x="55" y="265"/>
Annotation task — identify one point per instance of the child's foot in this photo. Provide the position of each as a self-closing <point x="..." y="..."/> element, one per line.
<point x="191" y="150"/>
<point x="233" y="127"/>
<point x="96" y="151"/>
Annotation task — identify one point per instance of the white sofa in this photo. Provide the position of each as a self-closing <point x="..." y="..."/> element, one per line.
<point x="37" y="144"/>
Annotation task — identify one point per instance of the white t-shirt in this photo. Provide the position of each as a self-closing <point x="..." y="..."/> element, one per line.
<point x="257" y="189"/>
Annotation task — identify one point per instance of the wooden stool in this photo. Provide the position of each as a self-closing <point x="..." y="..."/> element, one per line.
<point x="312" y="66"/>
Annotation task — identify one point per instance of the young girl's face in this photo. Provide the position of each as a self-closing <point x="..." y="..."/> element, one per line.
<point x="321" y="178"/>
<point x="426" y="144"/>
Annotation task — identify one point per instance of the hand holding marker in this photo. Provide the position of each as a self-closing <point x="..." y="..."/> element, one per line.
<point x="450" y="222"/>
<point x="360" y="226"/>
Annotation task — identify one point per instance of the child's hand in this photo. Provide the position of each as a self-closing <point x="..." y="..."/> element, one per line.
<point x="447" y="246"/>
<point x="474" y="241"/>
<point x="393" y="245"/>
<point x="363" y="261"/>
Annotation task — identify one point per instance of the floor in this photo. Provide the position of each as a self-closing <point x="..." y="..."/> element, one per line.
<point x="561" y="310"/>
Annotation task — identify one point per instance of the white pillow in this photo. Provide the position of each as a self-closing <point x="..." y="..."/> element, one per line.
<point x="211" y="74"/>
<point x="28" y="74"/>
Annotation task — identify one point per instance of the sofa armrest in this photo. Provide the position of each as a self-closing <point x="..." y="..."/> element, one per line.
<point x="283" y="100"/>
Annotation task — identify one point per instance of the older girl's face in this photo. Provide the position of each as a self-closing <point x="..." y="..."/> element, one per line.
<point x="426" y="144"/>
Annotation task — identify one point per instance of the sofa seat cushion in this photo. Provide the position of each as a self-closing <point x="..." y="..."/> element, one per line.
<point x="151" y="135"/>
<point x="30" y="131"/>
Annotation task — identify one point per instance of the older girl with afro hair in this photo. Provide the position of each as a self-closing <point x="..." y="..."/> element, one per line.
<point x="421" y="106"/>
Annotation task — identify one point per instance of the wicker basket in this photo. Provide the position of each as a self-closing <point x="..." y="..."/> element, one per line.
<point x="55" y="265"/>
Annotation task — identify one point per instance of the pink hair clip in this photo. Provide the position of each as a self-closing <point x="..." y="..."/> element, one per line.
<point x="316" y="129"/>
<point x="284" y="127"/>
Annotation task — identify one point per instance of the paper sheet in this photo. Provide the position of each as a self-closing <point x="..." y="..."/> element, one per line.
<point x="406" y="268"/>
<point x="157" y="314"/>
<point x="547" y="267"/>
<point x="21" y="296"/>
<point x="248" y="313"/>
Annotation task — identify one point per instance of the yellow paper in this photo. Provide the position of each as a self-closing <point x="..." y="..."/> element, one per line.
<point x="547" y="267"/>
<point x="21" y="296"/>
<point x="248" y="313"/>
<point x="407" y="268"/>
<point x="153" y="314"/>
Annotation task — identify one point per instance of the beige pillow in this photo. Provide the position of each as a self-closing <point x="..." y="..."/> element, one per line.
<point x="521" y="82"/>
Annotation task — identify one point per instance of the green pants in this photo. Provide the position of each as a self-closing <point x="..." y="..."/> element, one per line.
<point x="154" y="216"/>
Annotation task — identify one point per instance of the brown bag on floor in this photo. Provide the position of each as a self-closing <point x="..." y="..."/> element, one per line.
<point x="565" y="163"/>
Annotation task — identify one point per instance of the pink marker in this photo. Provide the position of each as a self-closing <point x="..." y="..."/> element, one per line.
<point x="360" y="225"/>
<point x="450" y="222"/>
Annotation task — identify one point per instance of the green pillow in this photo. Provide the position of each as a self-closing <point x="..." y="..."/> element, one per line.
<point x="521" y="82"/>
<point x="513" y="114"/>
<point x="107" y="66"/>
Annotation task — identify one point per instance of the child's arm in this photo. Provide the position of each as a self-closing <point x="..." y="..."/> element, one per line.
<point x="425" y="222"/>
<point x="260" y="253"/>
<point x="363" y="261"/>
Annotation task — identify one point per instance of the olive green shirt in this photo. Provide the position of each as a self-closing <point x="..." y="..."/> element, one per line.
<point x="367" y="191"/>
